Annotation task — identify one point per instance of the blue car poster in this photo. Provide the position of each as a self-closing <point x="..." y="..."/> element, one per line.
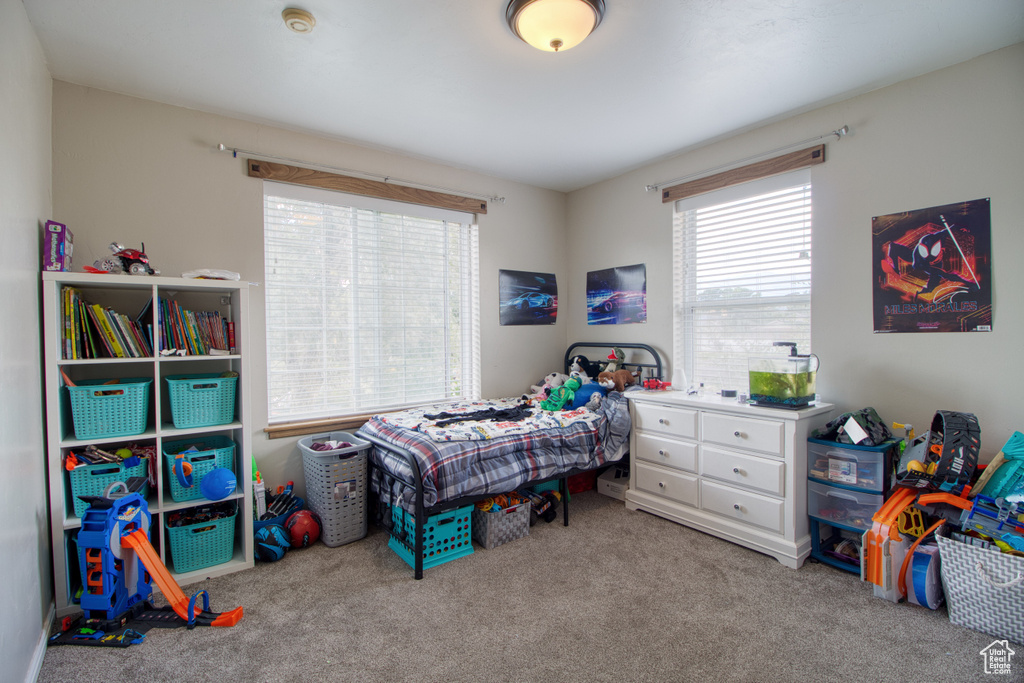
<point x="932" y="269"/>
<point x="527" y="298"/>
<point x="617" y="295"/>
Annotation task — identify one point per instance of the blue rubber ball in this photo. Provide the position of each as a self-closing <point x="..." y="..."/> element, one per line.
<point x="218" y="483"/>
<point x="271" y="543"/>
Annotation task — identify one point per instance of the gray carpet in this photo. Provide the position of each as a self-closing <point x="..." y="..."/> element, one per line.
<point x="616" y="596"/>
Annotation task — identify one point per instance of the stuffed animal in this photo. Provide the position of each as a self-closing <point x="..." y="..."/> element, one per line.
<point x="584" y="365"/>
<point x="616" y="381"/>
<point x="582" y="376"/>
<point x="539" y="392"/>
<point x="616" y="360"/>
<point x="562" y="395"/>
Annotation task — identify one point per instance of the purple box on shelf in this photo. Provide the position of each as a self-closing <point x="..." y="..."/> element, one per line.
<point x="58" y="245"/>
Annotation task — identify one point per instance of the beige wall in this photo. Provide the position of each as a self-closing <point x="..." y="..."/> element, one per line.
<point x="949" y="136"/>
<point x="25" y="592"/>
<point x="131" y="170"/>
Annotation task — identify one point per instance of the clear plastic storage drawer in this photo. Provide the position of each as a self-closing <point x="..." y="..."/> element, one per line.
<point x="862" y="467"/>
<point x="842" y="506"/>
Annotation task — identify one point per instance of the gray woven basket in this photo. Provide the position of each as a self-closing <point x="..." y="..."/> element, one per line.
<point x="491" y="529"/>
<point x="984" y="588"/>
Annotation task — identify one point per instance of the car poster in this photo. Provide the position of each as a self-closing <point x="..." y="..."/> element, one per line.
<point x="617" y="295"/>
<point x="932" y="269"/>
<point x="527" y="298"/>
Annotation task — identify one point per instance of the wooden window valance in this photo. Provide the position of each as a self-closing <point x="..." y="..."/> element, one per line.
<point x="296" y="175"/>
<point x="761" y="169"/>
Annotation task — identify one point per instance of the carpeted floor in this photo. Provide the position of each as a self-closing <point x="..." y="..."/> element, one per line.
<point x="616" y="596"/>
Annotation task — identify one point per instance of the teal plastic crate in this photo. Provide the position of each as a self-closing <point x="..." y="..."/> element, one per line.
<point x="93" y="480"/>
<point x="214" y="451"/>
<point x="446" y="536"/>
<point x="202" y="545"/>
<point x="203" y="400"/>
<point x="101" y="411"/>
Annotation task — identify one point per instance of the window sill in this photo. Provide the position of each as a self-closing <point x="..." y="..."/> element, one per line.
<point x="290" y="429"/>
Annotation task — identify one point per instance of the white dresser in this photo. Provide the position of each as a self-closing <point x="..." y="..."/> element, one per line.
<point x="729" y="469"/>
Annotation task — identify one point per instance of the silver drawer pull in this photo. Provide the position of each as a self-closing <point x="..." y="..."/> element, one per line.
<point x="662" y="453"/>
<point x="738" y="434"/>
<point x="662" y="421"/>
<point x="661" y="484"/>
<point x="736" y="506"/>
<point x="736" y="470"/>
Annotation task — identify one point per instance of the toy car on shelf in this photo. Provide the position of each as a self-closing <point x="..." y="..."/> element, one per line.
<point x="123" y="260"/>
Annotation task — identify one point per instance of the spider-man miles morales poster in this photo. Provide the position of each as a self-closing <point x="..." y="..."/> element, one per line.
<point x="932" y="269"/>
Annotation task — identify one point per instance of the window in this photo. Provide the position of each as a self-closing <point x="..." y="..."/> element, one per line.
<point x="371" y="304"/>
<point x="742" y="277"/>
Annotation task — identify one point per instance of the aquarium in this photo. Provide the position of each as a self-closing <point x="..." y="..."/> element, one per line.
<point x="783" y="381"/>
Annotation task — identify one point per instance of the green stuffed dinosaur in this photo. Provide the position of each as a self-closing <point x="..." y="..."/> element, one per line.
<point x="562" y="395"/>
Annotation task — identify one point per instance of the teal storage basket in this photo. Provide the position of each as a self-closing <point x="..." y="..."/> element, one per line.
<point x="202" y="400"/>
<point x="446" y="536"/>
<point x="202" y="545"/>
<point x="214" y="451"/>
<point x="103" y="411"/>
<point x="93" y="480"/>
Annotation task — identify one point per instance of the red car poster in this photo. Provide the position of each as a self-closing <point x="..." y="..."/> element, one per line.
<point x="932" y="269"/>
<point x="617" y="295"/>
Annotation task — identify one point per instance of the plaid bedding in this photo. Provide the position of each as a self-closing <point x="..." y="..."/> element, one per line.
<point x="476" y="458"/>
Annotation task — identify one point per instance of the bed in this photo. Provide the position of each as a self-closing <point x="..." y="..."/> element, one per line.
<point x="431" y="459"/>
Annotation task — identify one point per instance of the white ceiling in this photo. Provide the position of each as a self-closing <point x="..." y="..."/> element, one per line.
<point x="446" y="80"/>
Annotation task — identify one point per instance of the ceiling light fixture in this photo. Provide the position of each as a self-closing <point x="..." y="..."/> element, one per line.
<point x="298" y="20"/>
<point x="554" y="25"/>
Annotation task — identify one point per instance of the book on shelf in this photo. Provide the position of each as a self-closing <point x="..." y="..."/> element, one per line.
<point x="104" y="340"/>
<point x="108" y="331"/>
<point x="88" y="334"/>
<point x="94" y="331"/>
<point x="195" y="332"/>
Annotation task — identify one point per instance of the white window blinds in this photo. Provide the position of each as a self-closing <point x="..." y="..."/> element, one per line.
<point x="371" y="305"/>
<point x="742" y="277"/>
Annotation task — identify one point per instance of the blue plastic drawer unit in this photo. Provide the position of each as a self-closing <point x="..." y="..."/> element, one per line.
<point x="866" y="468"/>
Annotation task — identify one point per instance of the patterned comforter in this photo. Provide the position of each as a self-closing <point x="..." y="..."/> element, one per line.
<point x="480" y="457"/>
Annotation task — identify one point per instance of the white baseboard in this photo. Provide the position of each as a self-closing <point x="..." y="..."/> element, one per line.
<point x="37" y="659"/>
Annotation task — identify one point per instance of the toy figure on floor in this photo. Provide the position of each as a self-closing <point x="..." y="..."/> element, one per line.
<point x="926" y="257"/>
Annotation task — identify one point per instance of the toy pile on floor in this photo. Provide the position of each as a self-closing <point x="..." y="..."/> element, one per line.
<point x="952" y="530"/>
<point x="281" y="520"/>
<point x="118" y="568"/>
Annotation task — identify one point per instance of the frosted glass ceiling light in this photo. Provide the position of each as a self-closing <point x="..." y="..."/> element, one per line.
<point x="554" y="25"/>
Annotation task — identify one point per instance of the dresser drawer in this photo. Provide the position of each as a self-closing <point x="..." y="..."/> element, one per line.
<point x="743" y="432"/>
<point x="680" y="455"/>
<point x="676" y="486"/>
<point x="744" y="506"/>
<point x="764" y="474"/>
<point x="653" y="417"/>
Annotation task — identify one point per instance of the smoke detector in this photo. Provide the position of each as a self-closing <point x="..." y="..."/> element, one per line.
<point x="298" y="20"/>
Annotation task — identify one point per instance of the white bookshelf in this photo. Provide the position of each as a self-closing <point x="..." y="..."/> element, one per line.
<point x="128" y="295"/>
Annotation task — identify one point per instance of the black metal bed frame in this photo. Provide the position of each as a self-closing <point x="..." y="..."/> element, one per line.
<point x="421" y="511"/>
